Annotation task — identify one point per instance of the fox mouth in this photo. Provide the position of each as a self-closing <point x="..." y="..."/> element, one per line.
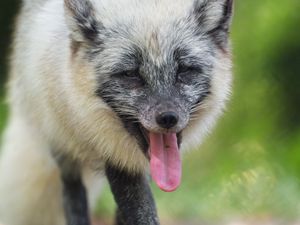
<point x="162" y="150"/>
<point x="144" y="135"/>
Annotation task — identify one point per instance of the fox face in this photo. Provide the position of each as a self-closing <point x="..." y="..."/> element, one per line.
<point x="161" y="66"/>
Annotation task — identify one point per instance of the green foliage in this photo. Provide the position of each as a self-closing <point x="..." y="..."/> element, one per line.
<point x="3" y="115"/>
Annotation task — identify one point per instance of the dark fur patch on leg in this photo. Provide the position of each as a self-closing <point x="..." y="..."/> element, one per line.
<point x="74" y="192"/>
<point x="133" y="197"/>
<point x="75" y="202"/>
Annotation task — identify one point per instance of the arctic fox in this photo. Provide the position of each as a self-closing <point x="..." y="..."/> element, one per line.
<point x="122" y="87"/>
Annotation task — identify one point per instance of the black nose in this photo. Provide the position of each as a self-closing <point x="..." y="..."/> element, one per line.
<point x="167" y="120"/>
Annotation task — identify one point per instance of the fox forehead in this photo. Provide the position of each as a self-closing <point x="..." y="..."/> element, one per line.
<point x="117" y="56"/>
<point x="142" y="22"/>
<point x="160" y="49"/>
<point x="130" y="45"/>
<point x="142" y="11"/>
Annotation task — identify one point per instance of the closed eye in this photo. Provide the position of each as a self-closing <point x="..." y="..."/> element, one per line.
<point x="187" y="74"/>
<point x="130" y="76"/>
<point x="185" y="69"/>
<point x="127" y="74"/>
<point x="131" y="73"/>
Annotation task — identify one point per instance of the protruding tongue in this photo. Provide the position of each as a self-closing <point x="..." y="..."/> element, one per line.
<point x="165" y="161"/>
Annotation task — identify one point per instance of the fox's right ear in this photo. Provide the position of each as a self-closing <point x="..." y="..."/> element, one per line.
<point x="214" y="18"/>
<point x="81" y="20"/>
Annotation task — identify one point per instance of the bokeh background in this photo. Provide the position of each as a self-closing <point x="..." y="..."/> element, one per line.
<point x="250" y="166"/>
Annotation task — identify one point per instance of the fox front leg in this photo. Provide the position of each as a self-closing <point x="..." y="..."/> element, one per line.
<point x="75" y="202"/>
<point x="74" y="193"/>
<point x="133" y="197"/>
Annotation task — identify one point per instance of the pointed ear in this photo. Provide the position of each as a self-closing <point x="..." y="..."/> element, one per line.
<point x="81" y="20"/>
<point x="214" y="18"/>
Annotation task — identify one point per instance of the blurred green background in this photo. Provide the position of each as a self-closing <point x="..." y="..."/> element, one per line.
<point x="250" y="166"/>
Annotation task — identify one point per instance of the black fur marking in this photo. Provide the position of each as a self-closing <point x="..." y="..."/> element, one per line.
<point x="108" y="91"/>
<point x="129" y="61"/>
<point x="184" y="58"/>
<point x="200" y="11"/>
<point x="84" y="15"/>
<point x="179" y="139"/>
<point x="205" y="86"/>
<point x="130" y="124"/>
<point x="227" y="14"/>
<point x="201" y="99"/>
<point x="74" y="192"/>
<point x="221" y="31"/>
<point x="133" y="197"/>
<point x="191" y="71"/>
<point x="75" y="201"/>
<point x="134" y="128"/>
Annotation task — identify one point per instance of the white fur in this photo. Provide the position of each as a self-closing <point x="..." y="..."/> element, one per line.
<point x="53" y="106"/>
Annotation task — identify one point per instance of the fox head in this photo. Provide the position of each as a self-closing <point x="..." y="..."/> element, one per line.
<point x="163" y="67"/>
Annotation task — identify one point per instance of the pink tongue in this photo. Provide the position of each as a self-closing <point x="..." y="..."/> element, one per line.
<point x="165" y="161"/>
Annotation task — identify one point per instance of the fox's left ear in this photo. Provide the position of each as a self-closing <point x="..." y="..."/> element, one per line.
<point x="214" y="18"/>
<point x="81" y="20"/>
